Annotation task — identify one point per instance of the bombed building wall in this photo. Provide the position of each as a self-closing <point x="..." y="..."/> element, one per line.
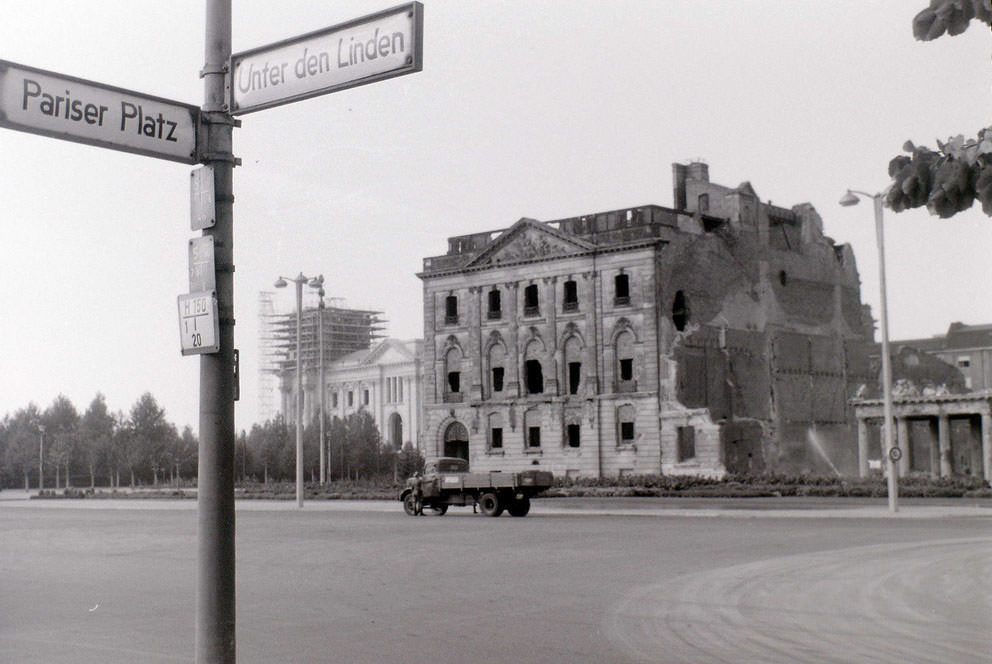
<point x="765" y="328"/>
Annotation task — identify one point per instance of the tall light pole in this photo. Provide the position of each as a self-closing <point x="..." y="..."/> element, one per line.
<point x="891" y="451"/>
<point x="281" y="282"/>
<point x="318" y="283"/>
<point x="41" y="457"/>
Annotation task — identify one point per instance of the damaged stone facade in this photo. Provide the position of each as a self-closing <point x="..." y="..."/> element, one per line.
<point x="724" y="335"/>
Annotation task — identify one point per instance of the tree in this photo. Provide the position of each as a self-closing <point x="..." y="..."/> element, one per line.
<point x="96" y="432"/>
<point x="949" y="179"/>
<point x="61" y="422"/>
<point x="21" y="434"/>
<point x="151" y="435"/>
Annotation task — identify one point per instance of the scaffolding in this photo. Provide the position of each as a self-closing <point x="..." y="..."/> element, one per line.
<point x="344" y="331"/>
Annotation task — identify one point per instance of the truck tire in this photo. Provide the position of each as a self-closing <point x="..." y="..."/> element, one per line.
<point x="490" y="505"/>
<point x="410" y="504"/>
<point x="439" y="510"/>
<point x="519" y="507"/>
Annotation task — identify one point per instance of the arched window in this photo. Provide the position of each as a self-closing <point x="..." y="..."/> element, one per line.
<point x="680" y="311"/>
<point x="624" y="350"/>
<point x="396" y="431"/>
<point x="497" y="368"/>
<point x="456" y="441"/>
<point x="452" y="374"/>
<point x="495" y="431"/>
<point x="533" y="371"/>
<point x="573" y="364"/>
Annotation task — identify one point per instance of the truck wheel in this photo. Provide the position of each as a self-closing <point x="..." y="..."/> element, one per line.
<point x="439" y="510"/>
<point x="519" y="507"/>
<point x="410" y="505"/>
<point x="489" y="504"/>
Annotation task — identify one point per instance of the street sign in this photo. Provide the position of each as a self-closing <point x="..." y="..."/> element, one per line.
<point x="199" y="331"/>
<point x="201" y="199"/>
<point x="367" y="49"/>
<point x="201" y="264"/>
<point x="73" y="109"/>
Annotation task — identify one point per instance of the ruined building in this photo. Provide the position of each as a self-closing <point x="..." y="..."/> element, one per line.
<point x="724" y="335"/>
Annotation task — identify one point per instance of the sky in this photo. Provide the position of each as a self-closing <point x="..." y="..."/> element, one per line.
<point x="538" y="108"/>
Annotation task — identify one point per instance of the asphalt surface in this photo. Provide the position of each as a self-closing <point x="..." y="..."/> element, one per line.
<point x="587" y="580"/>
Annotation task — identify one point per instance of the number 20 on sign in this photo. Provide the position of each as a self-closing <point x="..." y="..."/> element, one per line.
<point x="198" y="325"/>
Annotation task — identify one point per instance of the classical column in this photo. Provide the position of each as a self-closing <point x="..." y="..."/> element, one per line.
<point x="862" y="447"/>
<point x="987" y="445"/>
<point x="944" y="444"/>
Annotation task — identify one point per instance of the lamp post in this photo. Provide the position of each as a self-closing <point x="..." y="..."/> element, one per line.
<point x="891" y="451"/>
<point x="281" y="282"/>
<point x="41" y="457"/>
<point x="318" y="283"/>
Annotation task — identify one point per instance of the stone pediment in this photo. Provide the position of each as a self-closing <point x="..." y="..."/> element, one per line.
<point x="389" y="351"/>
<point x="529" y="240"/>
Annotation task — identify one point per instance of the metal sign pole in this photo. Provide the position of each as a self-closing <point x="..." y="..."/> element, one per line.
<point x="215" y="624"/>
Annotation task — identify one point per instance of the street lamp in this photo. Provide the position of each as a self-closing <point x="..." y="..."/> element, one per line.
<point x="318" y="283"/>
<point x="281" y="282"/>
<point x="41" y="457"/>
<point x="891" y="447"/>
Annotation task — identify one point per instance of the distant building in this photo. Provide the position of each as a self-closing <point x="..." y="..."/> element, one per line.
<point x="343" y="330"/>
<point x="384" y="380"/>
<point x="724" y="335"/>
<point x="942" y="405"/>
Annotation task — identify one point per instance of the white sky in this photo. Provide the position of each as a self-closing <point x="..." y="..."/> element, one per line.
<point x="545" y="109"/>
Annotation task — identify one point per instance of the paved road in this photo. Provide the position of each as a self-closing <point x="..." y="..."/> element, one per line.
<point x="596" y="581"/>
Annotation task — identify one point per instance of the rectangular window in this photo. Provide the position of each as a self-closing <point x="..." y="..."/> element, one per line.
<point x="574" y="377"/>
<point x="497" y="379"/>
<point x="399" y="382"/>
<point x="964" y="361"/>
<point x="573" y="435"/>
<point x="621" y="289"/>
<point x="334" y="399"/>
<point x="627" y="369"/>
<point x="570" y="301"/>
<point x="351" y="398"/>
<point x="531" y="305"/>
<point x="451" y="309"/>
<point x="496" y="438"/>
<point x="365" y="397"/>
<point x="686" y="443"/>
<point x="454" y="381"/>
<point x="495" y="306"/>
<point x="626" y="432"/>
<point x="533" y="436"/>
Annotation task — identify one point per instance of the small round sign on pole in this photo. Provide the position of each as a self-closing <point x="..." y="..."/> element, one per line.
<point x="895" y="453"/>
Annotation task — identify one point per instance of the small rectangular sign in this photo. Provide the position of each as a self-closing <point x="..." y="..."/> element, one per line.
<point x="201" y="198"/>
<point x="73" y="109"/>
<point x="201" y="264"/>
<point x="199" y="329"/>
<point x="367" y="49"/>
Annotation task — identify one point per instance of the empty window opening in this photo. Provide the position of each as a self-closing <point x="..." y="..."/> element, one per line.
<point x="495" y="307"/>
<point x="686" y="443"/>
<point x="625" y="418"/>
<point x="454" y="381"/>
<point x="627" y="369"/>
<point x="704" y="203"/>
<point x="574" y="377"/>
<point x="570" y="301"/>
<point x="496" y="438"/>
<point x="365" y="397"/>
<point x="334" y="399"/>
<point x="680" y="311"/>
<point x="573" y="435"/>
<point x="531" y="307"/>
<point x="351" y="398"/>
<point x="533" y="436"/>
<point x="535" y="376"/>
<point x="621" y="289"/>
<point x="497" y="379"/>
<point x="783" y="278"/>
<point x="451" y="309"/>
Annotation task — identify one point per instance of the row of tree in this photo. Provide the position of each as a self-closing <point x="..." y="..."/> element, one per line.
<point x="59" y="447"/>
